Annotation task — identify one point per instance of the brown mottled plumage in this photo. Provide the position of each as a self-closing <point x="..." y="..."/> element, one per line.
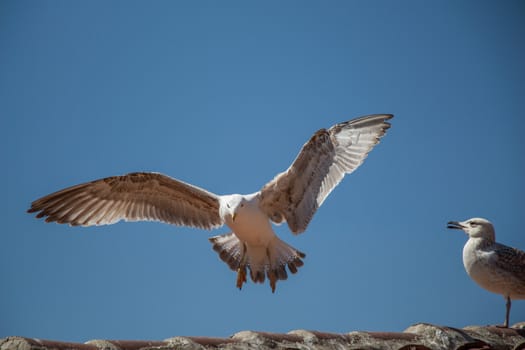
<point x="494" y="266"/>
<point x="292" y="196"/>
<point x="132" y="197"/>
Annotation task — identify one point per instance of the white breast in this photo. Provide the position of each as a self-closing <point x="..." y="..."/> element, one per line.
<point x="480" y="266"/>
<point x="251" y="225"/>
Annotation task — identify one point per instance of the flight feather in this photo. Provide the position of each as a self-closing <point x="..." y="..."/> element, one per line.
<point x="295" y="194"/>
<point x="131" y="197"/>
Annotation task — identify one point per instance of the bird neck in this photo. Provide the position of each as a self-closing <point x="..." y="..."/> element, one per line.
<point x="478" y="243"/>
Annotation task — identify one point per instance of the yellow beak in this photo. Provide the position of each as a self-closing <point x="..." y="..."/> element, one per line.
<point x="233" y="216"/>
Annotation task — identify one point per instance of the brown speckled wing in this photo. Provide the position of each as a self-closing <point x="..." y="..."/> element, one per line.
<point x="131" y="197"/>
<point x="295" y="194"/>
<point x="511" y="260"/>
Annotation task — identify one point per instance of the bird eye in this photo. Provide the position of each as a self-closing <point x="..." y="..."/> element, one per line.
<point x="227" y="205"/>
<point x="242" y="205"/>
<point x="473" y="224"/>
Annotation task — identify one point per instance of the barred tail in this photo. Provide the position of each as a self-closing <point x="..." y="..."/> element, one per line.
<point x="262" y="261"/>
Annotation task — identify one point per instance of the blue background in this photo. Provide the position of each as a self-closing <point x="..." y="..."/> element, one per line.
<point x="223" y="95"/>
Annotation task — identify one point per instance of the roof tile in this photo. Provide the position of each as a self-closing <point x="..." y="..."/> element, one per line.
<point x="420" y="336"/>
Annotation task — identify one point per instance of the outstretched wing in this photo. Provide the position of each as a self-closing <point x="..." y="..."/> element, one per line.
<point x="132" y="197"/>
<point x="295" y="194"/>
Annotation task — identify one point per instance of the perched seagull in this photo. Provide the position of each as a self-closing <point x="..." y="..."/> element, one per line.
<point x="495" y="267"/>
<point x="292" y="196"/>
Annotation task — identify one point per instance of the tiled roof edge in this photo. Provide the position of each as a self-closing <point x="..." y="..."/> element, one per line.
<point x="420" y="336"/>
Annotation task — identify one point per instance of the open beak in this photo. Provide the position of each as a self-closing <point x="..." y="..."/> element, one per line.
<point x="455" y="225"/>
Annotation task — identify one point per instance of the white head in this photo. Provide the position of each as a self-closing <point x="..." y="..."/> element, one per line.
<point x="232" y="205"/>
<point x="475" y="228"/>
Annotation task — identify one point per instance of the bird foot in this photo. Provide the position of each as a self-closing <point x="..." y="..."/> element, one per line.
<point x="273" y="280"/>
<point x="271" y="274"/>
<point x="241" y="276"/>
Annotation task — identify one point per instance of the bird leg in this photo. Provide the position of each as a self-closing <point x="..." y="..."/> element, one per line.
<point x="241" y="270"/>
<point x="271" y="274"/>
<point x="507" y="313"/>
<point x="241" y="276"/>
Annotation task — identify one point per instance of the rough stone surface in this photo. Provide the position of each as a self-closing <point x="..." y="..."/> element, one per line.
<point x="420" y="336"/>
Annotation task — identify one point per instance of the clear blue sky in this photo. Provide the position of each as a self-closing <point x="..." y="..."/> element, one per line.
<point x="223" y="95"/>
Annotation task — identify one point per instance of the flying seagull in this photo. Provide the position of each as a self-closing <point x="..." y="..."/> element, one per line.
<point x="293" y="196"/>
<point x="495" y="267"/>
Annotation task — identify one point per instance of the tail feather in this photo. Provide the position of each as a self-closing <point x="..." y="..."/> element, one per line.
<point x="229" y="249"/>
<point x="270" y="261"/>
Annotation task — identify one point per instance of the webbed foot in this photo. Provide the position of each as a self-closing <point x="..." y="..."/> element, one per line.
<point x="241" y="276"/>
<point x="270" y="273"/>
